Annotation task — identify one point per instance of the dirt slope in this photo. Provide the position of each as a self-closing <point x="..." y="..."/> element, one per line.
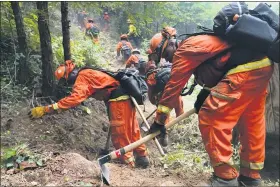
<point x="76" y="137"/>
<point x="70" y="142"/>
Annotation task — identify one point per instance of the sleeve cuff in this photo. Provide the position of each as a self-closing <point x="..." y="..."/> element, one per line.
<point x="55" y="106"/>
<point x="162" y="118"/>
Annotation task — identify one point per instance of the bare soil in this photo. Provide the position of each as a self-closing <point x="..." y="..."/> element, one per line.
<point x="70" y="141"/>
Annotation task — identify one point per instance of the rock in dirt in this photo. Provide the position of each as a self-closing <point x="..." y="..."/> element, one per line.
<point x="75" y="165"/>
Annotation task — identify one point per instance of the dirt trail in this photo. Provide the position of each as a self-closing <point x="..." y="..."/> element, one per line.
<point x="77" y="137"/>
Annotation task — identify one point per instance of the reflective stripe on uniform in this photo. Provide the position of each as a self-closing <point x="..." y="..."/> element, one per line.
<point x="55" y="106"/>
<point x="251" y="165"/>
<point x="250" y="66"/>
<point x="121" y="98"/>
<point x="163" y="109"/>
<point x="229" y="162"/>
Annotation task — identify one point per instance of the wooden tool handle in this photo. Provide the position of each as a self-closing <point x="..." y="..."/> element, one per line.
<point x="147" y="125"/>
<point x="117" y="153"/>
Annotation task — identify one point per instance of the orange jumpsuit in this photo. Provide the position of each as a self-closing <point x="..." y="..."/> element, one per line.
<point x="245" y="87"/>
<point x="151" y="82"/>
<point x="95" y="39"/>
<point x="106" y="19"/>
<point x="132" y="60"/>
<point x="120" y="44"/>
<point x="122" y="114"/>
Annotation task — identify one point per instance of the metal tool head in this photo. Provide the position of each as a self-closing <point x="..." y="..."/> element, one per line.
<point x="104" y="169"/>
<point x="144" y="128"/>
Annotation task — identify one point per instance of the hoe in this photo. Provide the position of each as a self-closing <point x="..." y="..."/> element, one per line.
<point x="117" y="153"/>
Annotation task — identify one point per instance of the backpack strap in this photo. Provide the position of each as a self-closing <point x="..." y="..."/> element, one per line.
<point x="111" y="73"/>
<point x="187" y="35"/>
<point x="190" y="91"/>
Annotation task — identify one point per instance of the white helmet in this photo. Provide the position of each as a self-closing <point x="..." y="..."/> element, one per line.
<point x="135" y="51"/>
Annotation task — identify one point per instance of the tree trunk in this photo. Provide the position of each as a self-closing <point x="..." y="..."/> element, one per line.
<point x="65" y="30"/>
<point x="46" y="48"/>
<point x="23" y="72"/>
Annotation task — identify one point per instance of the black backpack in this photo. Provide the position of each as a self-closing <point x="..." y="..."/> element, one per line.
<point x="131" y="82"/>
<point x="162" y="77"/>
<point x="257" y="29"/>
<point x="126" y="51"/>
<point x="141" y="65"/>
<point x="95" y="30"/>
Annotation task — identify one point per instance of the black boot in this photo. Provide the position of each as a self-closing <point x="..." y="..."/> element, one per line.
<point x="216" y="181"/>
<point x="248" y="181"/>
<point x="163" y="140"/>
<point x="142" y="161"/>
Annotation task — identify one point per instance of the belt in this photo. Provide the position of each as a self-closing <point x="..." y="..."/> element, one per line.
<point x="250" y="66"/>
<point x="121" y="98"/>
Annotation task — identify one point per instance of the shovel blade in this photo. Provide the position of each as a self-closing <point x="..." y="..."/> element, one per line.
<point x="145" y="129"/>
<point x="104" y="169"/>
<point x="105" y="174"/>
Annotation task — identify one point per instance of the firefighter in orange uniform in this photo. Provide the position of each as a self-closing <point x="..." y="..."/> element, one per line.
<point x="124" y="47"/>
<point x="106" y="19"/>
<point x="82" y="19"/>
<point x="156" y="88"/>
<point x="137" y="61"/>
<point x="101" y="86"/>
<point x="155" y="91"/>
<point x="238" y="98"/>
<point x="92" y="30"/>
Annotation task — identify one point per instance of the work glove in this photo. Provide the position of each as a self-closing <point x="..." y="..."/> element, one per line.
<point x="37" y="112"/>
<point x="203" y="94"/>
<point x="163" y="137"/>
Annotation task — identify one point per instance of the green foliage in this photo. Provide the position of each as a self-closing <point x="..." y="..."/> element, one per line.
<point x="12" y="157"/>
<point x="31" y="28"/>
<point x="83" y="51"/>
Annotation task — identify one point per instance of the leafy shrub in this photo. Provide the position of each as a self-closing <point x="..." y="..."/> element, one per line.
<point x="13" y="157"/>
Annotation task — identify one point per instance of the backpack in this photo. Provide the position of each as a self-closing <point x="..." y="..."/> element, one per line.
<point x="94" y="30"/>
<point x="162" y="77"/>
<point x="130" y="80"/>
<point x="126" y="51"/>
<point x="257" y="30"/>
<point x="141" y="65"/>
<point x="133" y="84"/>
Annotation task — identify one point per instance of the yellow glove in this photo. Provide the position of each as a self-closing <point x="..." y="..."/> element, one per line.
<point x="37" y="112"/>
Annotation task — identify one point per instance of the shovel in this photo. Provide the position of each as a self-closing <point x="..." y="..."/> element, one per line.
<point x="147" y="125"/>
<point x="117" y="153"/>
